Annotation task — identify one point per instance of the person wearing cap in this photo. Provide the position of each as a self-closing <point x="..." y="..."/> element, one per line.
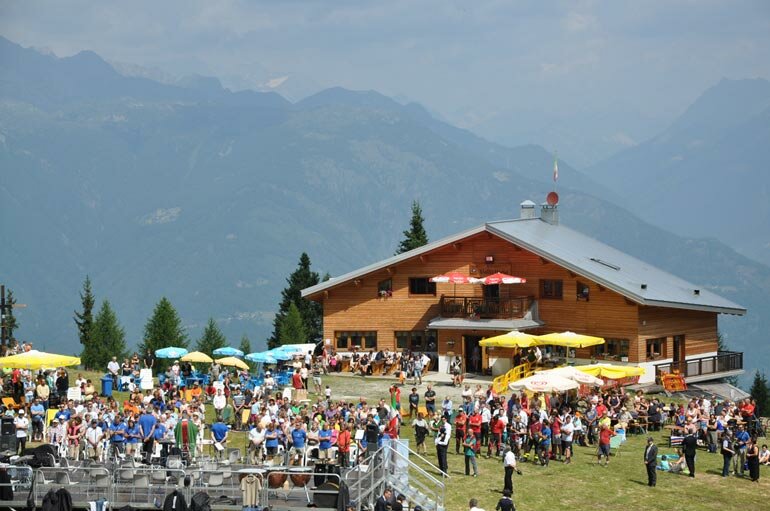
<point x="651" y="461"/>
<point x="21" y="422"/>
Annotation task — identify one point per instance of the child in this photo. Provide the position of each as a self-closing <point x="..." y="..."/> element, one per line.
<point x="328" y="393"/>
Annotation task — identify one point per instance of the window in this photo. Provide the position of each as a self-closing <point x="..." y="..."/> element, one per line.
<point x="582" y="291"/>
<point x="417" y="340"/>
<point x="551" y="289"/>
<point x="365" y="340"/>
<point x="612" y="348"/>
<point x="655" y="348"/>
<point x="421" y="286"/>
<point x="385" y="288"/>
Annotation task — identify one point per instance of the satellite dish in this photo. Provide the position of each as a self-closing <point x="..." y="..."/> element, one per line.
<point x="552" y="199"/>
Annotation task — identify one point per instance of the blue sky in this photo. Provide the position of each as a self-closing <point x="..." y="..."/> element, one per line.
<point x="477" y="63"/>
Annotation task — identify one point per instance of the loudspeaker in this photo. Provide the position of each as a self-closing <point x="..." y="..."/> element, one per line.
<point x="7" y="443"/>
<point x="7" y="427"/>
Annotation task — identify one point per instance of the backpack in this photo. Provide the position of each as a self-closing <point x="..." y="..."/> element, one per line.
<point x="200" y="502"/>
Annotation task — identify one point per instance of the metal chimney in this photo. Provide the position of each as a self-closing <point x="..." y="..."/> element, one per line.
<point x="528" y="210"/>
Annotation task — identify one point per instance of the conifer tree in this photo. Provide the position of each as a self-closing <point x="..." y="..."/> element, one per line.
<point x="245" y="345"/>
<point x="292" y="328"/>
<point x="760" y="392"/>
<point x="9" y="321"/>
<point x="108" y="339"/>
<point x="211" y="339"/>
<point x="164" y="328"/>
<point x="415" y="236"/>
<point x="85" y="319"/>
<point x="310" y="311"/>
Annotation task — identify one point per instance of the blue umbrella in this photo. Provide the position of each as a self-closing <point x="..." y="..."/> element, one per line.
<point x="227" y="351"/>
<point x="265" y="358"/>
<point x="171" y="352"/>
<point x="280" y="355"/>
<point x="289" y="348"/>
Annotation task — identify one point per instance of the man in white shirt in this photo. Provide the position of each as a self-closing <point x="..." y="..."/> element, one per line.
<point x="22" y="425"/>
<point x="113" y="367"/>
<point x="219" y="402"/>
<point x="486" y="417"/>
<point x="473" y="504"/>
<point x="256" y="440"/>
<point x="443" y="436"/>
<point x="94" y="436"/>
<point x="509" y="462"/>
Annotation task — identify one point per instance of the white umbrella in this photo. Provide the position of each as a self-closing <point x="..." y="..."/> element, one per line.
<point x="544" y="382"/>
<point x="575" y="374"/>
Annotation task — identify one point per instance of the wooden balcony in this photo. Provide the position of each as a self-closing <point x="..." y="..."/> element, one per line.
<point x="721" y="365"/>
<point x="485" y="308"/>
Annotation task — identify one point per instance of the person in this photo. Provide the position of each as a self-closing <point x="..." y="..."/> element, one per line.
<point x="567" y="434"/>
<point x="473" y="505"/>
<point x="317" y="383"/>
<point x="149" y="360"/>
<point x="689" y="446"/>
<point x="372" y="435"/>
<point x="22" y="425"/>
<point x="676" y="463"/>
<point x="118" y="433"/>
<point x="509" y="464"/>
<point x="219" y="433"/>
<point x="219" y="402"/>
<point x="256" y="440"/>
<point x="651" y="461"/>
<point x="37" y="412"/>
<point x="544" y="446"/>
<point x="420" y="426"/>
<point x="93" y="441"/>
<point x="186" y="435"/>
<point x="343" y="446"/>
<point x="383" y="501"/>
<point x="605" y="433"/>
<point x="271" y="441"/>
<point x="443" y="435"/>
<point x="505" y="503"/>
<point x="414" y="402"/>
<point x="469" y="450"/>
<point x="298" y="438"/>
<point x="296" y="381"/>
<point x="752" y="459"/>
<point x="764" y="455"/>
<point x="430" y="400"/>
<point x="147" y="423"/>
<point x="132" y="436"/>
<point x="739" y="458"/>
<point x="728" y="452"/>
<point x="324" y="442"/>
<point x="113" y="368"/>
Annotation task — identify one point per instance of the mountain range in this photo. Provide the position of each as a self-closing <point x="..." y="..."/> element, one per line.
<point x="208" y="196"/>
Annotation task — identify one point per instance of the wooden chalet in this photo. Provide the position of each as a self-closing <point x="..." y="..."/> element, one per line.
<point x="573" y="282"/>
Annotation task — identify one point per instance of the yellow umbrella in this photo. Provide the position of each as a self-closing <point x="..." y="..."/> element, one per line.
<point x="234" y="362"/>
<point x="34" y="359"/>
<point x="197" y="356"/>
<point x="513" y="339"/>
<point x="613" y="372"/>
<point x="570" y="340"/>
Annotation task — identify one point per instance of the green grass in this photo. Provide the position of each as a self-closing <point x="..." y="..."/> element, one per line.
<point x="582" y="485"/>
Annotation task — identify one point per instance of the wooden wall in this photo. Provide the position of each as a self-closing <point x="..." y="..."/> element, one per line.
<point x="356" y="306"/>
<point x="699" y="329"/>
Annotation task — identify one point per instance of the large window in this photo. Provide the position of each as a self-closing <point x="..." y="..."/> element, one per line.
<point x="612" y="348"/>
<point x="656" y="348"/>
<point x="551" y="289"/>
<point x="418" y="340"/>
<point x="421" y="286"/>
<point x="363" y="340"/>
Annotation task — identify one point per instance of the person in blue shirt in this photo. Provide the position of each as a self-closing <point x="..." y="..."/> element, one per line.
<point x="132" y="436"/>
<point x="219" y="433"/>
<point x="118" y="435"/>
<point x="298" y="441"/>
<point x="63" y="414"/>
<point x="739" y="460"/>
<point x="37" y="411"/>
<point x="147" y="424"/>
<point x="545" y="443"/>
<point x="324" y="442"/>
<point x="271" y="440"/>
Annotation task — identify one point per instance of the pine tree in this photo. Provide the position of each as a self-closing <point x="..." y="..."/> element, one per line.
<point x="292" y="328"/>
<point x="85" y="319"/>
<point x="108" y="339"/>
<point x="164" y="328"/>
<point x="311" y="312"/>
<point x="211" y="339"/>
<point x="245" y="345"/>
<point x="10" y="321"/>
<point x="760" y="392"/>
<point x="722" y="346"/>
<point x="415" y="236"/>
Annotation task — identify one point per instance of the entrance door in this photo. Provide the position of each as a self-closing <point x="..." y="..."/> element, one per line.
<point x="679" y="352"/>
<point x="472" y="354"/>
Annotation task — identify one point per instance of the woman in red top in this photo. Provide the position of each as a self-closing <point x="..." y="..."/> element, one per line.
<point x="496" y="428"/>
<point x="343" y="446"/>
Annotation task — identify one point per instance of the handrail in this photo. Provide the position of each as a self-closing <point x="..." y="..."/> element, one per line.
<point x="500" y="384"/>
<point x="478" y="306"/>
<point x="444" y="475"/>
<point x="723" y="361"/>
<point x="437" y="490"/>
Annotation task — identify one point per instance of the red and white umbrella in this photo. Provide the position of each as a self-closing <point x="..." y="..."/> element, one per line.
<point x="453" y="277"/>
<point x="499" y="278"/>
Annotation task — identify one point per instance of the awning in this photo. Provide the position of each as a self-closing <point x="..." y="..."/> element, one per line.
<point x="498" y="325"/>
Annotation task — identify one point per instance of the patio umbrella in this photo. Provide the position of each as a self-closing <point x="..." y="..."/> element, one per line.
<point x="289" y="348"/>
<point x="513" y="339"/>
<point x="227" y="351"/>
<point x="34" y="359"/>
<point x="198" y="357"/>
<point x="499" y="278"/>
<point x="570" y="340"/>
<point x="171" y="352"/>
<point x="544" y="382"/>
<point x="280" y="355"/>
<point x="263" y="358"/>
<point x="611" y="371"/>
<point x="453" y="277"/>
<point x="233" y="362"/>
<point x="573" y="373"/>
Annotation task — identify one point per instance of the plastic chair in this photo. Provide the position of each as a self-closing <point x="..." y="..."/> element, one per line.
<point x="213" y="479"/>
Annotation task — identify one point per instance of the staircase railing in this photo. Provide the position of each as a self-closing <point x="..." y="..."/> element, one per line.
<point x="500" y="384"/>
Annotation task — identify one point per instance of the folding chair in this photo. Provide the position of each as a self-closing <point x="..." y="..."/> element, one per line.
<point x="615" y="443"/>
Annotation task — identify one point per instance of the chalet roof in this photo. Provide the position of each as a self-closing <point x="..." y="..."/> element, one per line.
<point x="636" y="280"/>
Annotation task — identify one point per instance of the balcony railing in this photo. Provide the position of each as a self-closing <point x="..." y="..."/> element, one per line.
<point x="722" y="362"/>
<point x="485" y="308"/>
